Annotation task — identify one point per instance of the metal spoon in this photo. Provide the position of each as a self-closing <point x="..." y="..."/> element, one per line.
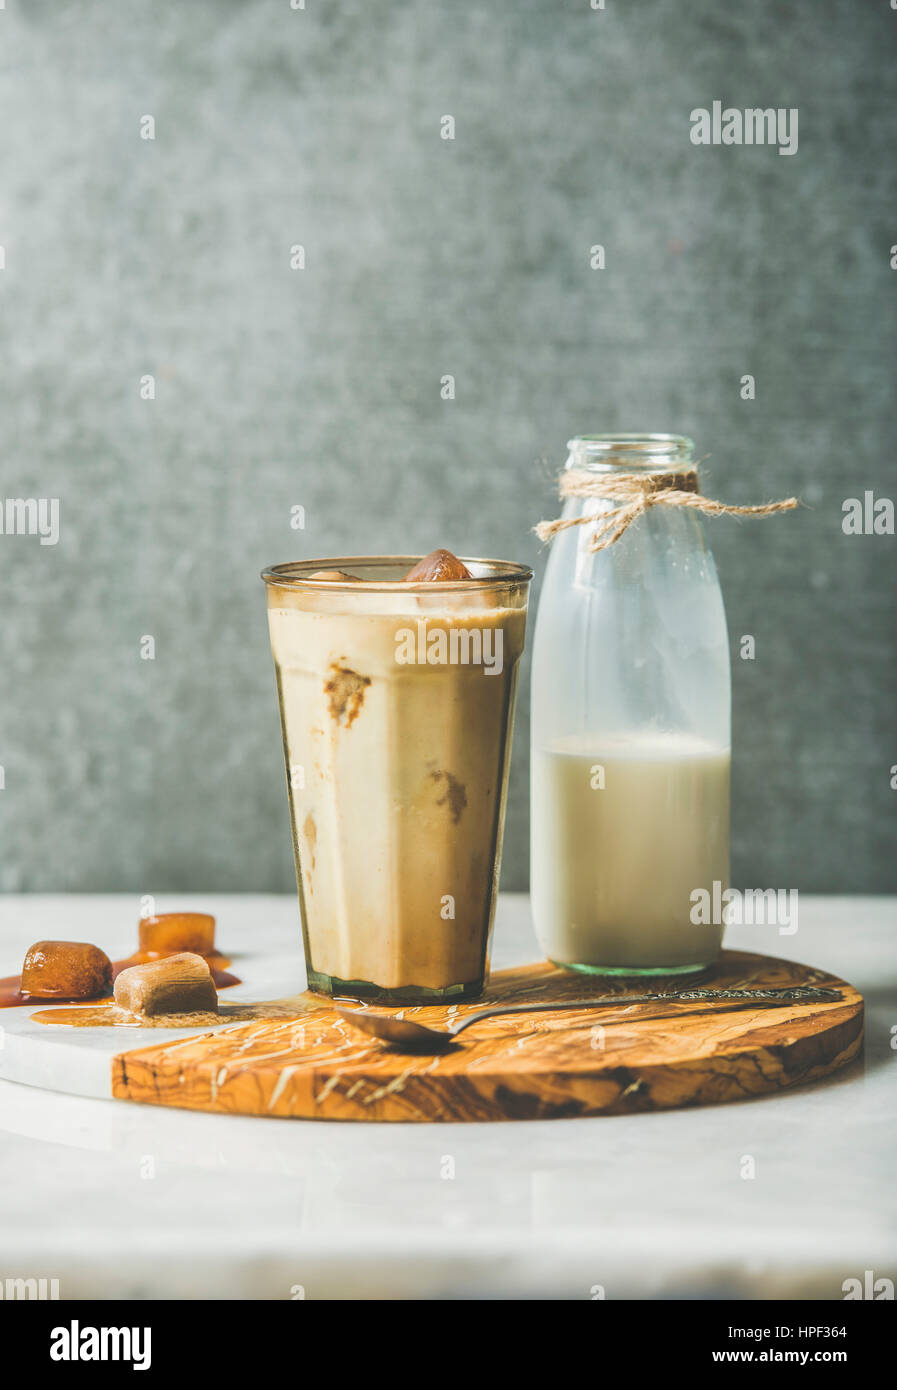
<point x="417" y="1037"/>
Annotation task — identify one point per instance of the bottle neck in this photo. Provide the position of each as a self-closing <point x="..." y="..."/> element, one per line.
<point x="631" y="453"/>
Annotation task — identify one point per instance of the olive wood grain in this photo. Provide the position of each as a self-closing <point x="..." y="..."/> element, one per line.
<point x="542" y="1066"/>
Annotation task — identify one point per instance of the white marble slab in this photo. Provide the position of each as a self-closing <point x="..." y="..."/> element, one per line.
<point x="643" y="1205"/>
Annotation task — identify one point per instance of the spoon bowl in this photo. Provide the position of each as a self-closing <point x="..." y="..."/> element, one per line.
<point x="412" y="1037"/>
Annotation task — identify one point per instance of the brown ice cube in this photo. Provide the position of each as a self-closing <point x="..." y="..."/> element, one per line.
<point x="335" y="574"/>
<point x="180" y="984"/>
<point x="439" y="567"/>
<point x="66" y="970"/>
<point x="170" y="932"/>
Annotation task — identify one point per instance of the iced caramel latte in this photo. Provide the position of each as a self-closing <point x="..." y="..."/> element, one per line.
<point x="396" y="680"/>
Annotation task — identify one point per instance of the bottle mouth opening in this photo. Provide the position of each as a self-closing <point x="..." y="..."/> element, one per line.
<point x="632" y="452"/>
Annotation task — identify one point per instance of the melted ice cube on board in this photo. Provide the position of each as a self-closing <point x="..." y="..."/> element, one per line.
<point x="66" y="970"/>
<point x="179" y="984"/>
<point x="178" y="931"/>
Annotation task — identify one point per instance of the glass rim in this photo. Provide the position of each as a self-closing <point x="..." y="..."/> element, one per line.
<point x="295" y="574"/>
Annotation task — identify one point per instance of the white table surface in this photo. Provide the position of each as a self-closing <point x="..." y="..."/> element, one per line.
<point x="120" y="1200"/>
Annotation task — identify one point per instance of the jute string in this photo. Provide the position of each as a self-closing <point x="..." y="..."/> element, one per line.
<point x="636" y="493"/>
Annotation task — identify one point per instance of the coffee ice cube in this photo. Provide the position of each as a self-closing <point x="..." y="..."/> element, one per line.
<point x="180" y="984"/>
<point x="170" y="932"/>
<point x="66" y="970"/>
<point x="337" y="575"/>
<point x="439" y="567"/>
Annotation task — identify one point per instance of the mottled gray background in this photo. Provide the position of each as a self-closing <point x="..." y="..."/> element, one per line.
<point x="320" y="387"/>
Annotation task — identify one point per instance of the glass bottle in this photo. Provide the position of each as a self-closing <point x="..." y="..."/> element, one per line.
<point x="630" y="732"/>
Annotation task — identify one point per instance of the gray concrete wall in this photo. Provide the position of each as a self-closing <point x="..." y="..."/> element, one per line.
<point x="321" y="388"/>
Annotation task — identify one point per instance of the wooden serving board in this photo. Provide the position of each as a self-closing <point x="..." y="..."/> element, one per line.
<point x="522" y="1067"/>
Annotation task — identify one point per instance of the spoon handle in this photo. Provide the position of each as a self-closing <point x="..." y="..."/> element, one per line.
<point x="746" y="996"/>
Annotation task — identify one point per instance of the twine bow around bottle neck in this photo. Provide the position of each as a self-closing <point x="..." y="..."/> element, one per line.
<point x="636" y="493"/>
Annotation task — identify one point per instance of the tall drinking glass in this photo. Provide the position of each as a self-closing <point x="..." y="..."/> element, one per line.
<point x="397" y="704"/>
